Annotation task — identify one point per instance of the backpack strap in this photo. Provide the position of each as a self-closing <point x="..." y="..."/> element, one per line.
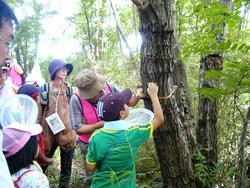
<point x="45" y="96"/>
<point x="20" y="177"/>
<point x="45" y="87"/>
<point x="69" y="92"/>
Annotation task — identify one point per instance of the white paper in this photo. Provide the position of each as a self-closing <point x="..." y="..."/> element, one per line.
<point x="55" y="123"/>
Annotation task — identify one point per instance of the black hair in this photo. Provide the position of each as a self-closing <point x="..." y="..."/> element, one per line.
<point x="24" y="157"/>
<point x="6" y="13"/>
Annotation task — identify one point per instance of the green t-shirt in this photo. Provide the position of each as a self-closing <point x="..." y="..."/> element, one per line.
<point x="115" y="152"/>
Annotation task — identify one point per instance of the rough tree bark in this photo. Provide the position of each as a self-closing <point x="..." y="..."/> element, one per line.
<point x="208" y="109"/>
<point x="174" y="141"/>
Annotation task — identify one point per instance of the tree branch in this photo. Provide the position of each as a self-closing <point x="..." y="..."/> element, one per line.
<point x="122" y="35"/>
<point x="88" y="29"/>
<point x="139" y="3"/>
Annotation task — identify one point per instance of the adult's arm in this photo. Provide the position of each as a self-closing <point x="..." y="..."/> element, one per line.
<point x="77" y="120"/>
<point x="135" y="98"/>
<point x="89" y="128"/>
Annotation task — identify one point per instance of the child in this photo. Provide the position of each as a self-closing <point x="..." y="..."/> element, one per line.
<point x="20" y="149"/>
<point x="20" y="145"/>
<point x="113" y="149"/>
<point x="34" y="92"/>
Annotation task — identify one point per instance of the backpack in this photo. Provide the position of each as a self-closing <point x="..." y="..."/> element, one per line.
<point x="45" y="94"/>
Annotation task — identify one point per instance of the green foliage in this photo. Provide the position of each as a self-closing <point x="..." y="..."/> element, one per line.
<point x="96" y="28"/>
<point x="44" y="63"/>
<point x="202" y="22"/>
<point x="210" y="175"/>
<point x="198" y="25"/>
<point x="30" y="28"/>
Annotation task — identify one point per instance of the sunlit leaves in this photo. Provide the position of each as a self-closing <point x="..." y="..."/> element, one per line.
<point x="30" y="28"/>
<point x="234" y="78"/>
<point x="96" y="27"/>
<point x="203" y="25"/>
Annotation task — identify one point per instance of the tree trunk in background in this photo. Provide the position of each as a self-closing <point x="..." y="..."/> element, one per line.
<point x="18" y="56"/>
<point x="88" y="31"/>
<point x="118" y="27"/>
<point x="208" y="109"/>
<point x="135" y="27"/>
<point x="242" y="153"/>
<point x="20" y="61"/>
<point x="174" y="141"/>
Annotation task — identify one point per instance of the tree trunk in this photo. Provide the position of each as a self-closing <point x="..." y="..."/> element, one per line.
<point x="208" y="107"/>
<point x="18" y="56"/>
<point x="242" y="153"/>
<point x="88" y="30"/>
<point x="135" y="27"/>
<point x="208" y="110"/>
<point x="174" y="141"/>
<point x="20" y="61"/>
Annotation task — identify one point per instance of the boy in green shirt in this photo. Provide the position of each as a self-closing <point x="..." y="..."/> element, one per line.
<point x="113" y="149"/>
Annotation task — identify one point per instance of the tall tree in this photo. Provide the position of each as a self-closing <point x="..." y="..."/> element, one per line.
<point x="208" y="107"/>
<point x="160" y="63"/>
<point x="27" y="37"/>
<point x="88" y="29"/>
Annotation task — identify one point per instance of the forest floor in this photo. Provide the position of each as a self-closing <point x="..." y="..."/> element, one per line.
<point x="147" y="168"/>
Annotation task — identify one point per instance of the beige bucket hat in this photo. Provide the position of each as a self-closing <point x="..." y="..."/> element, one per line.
<point x="89" y="83"/>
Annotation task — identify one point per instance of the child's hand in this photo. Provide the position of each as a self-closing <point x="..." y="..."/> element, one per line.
<point x="152" y="89"/>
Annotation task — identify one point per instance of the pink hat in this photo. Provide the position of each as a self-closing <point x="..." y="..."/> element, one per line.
<point x="15" y="136"/>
